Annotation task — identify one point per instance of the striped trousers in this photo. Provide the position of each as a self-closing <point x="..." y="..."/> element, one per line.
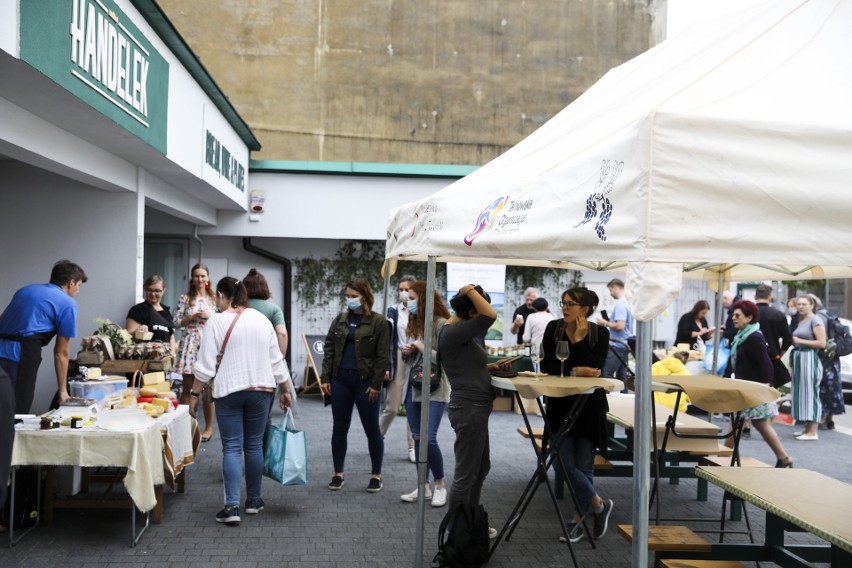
<point x="807" y="375"/>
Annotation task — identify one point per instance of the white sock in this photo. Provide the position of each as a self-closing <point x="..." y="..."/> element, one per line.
<point x="600" y="509"/>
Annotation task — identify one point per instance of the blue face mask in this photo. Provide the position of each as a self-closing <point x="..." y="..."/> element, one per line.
<point x="412" y="307"/>
<point x="353" y="303"/>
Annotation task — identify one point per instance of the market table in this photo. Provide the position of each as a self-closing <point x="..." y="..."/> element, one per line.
<point x="165" y="445"/>
<point x="793" y="499"/>
<point x="556" y="387"/>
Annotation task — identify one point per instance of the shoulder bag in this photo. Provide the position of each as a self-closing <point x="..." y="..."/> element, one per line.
<point x="416" y="376"/>
<point x="207" y="391"/>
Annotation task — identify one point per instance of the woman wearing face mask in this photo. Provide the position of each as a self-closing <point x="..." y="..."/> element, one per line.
<point x="413" y="354"/>
<point x="588" y="346"/>
<point x="356" y="360"/>
<point x="397" y="383"/>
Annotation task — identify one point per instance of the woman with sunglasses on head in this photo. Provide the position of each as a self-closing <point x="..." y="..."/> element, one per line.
<point x="588" y="346"/>
<point x="194" y="309"/>
<point x="151" y="315"/>
<point x="357" y="356"/>
<point x="750" y="361"/>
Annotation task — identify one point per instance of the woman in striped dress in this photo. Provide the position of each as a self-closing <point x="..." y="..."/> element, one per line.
<point x="808" y="339"/>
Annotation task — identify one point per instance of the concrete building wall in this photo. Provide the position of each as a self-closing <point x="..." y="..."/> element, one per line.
<point x="45" y="218"/>
<point x="404" y="81"/>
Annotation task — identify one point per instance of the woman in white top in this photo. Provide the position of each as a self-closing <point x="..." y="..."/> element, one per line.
<point x="250" y="369"/>
<point x="536" y="322"/>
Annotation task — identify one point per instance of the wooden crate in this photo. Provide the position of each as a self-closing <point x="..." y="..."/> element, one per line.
<point x="133" y="365"/>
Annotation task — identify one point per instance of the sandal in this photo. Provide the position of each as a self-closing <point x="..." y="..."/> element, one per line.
<point x="786" y="462"/>
<point x="206" y="438"/>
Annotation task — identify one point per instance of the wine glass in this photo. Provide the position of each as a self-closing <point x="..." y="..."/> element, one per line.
<point x="536" y="354"/>
<point x="563" y="350"/>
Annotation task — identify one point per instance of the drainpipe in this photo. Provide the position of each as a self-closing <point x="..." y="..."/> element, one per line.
<point x="200" y="245"/>
<point x="287" y="298"/>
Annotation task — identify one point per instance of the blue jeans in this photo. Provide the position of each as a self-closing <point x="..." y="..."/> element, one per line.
<point x="434" y="457"/>
<point x="469" y="420"/>
<point x="616" y="363"/>
<point x="347" y="391"/>
<point x="578" y="455"/>
<point x="241" y="417"/>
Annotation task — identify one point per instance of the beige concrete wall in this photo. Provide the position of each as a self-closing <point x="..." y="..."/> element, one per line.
<point x="407" y="81"/>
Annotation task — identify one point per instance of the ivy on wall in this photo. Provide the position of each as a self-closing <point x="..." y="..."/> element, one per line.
<point x="318" y="279"/>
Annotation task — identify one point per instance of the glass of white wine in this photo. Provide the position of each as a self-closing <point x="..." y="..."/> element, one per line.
<point x="563" y="350"/>
<point x="536" y="354"/>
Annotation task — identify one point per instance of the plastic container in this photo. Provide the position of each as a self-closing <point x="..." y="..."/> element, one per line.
<point x="123" y="419"/>
<point x="97" y="390"/>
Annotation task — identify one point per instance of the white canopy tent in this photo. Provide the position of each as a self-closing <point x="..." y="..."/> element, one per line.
<point x="723" y="153"/>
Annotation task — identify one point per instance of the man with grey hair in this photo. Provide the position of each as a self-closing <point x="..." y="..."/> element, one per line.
<point x="519" y="318"/>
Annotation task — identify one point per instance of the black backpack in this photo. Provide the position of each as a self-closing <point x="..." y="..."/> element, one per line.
<point x="467" y="544"/>
<point x="839" y="338"/>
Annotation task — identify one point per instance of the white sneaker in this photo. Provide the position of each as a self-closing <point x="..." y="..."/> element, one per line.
<point x="492" y="533"/>
<point x="412" y="457"/>
<point x="412" y="497"/>
<point x="439" y="499"/>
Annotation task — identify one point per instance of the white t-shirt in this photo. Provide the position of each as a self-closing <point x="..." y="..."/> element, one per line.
<point x="534" y="331"/>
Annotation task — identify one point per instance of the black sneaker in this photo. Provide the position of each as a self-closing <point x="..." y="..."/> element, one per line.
<point x="336" y="483"/>
<point x="229" y="515"/>
<point x="602" y="519"/>
<point x="575" y="532"/>
<point x="254" y="506"/>
<point x="375" y="485"/>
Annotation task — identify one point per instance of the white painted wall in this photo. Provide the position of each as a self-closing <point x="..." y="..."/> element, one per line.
<point x="9" y="27"/>
<point x="326" y="206"/>
<point x="46" y="218"/>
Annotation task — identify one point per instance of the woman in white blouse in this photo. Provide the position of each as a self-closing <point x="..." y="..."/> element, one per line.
<point x="250" y="370"/>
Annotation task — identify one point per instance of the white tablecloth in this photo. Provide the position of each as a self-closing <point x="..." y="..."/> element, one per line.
<point x="140" y="451"/>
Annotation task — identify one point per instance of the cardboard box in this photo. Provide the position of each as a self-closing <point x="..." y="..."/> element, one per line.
<point x="530" y="405"/>
<point x="502" y="404"/>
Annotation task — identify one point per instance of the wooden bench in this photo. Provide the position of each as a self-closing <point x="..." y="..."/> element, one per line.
<point x="726" y="462"/>
<point x="669" y="538"/>
<point x="538" y="433"/>
<point x="675" y="563"/>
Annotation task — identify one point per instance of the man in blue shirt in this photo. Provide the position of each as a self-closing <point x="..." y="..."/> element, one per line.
<point x="620" y="326"/>
<point x="35" y="315"/>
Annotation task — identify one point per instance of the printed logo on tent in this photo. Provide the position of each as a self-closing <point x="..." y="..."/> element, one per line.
<point x="610" y="170"/>
<point x="422" y="220"/>
<point x="486" y="219"/>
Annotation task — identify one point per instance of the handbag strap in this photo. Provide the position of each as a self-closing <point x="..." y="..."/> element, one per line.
<point x="225" y="341"/>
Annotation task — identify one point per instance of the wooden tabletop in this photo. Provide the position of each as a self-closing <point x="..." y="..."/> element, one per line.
<point x="553" y="386"/>
<point x="813" y="501"/>
<point x="720" y="394"/>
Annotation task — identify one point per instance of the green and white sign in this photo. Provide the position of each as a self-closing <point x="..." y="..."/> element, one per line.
<point x="92" y="49"/>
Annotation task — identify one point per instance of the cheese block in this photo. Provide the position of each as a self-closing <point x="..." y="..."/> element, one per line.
<point x="93" y="372"/>
<point x="162" y="404"/>
<point x="149" y="379"/>
<point x="163" y="387"/>
<point x="167" y="394"/>
<point x="148" y="391"/>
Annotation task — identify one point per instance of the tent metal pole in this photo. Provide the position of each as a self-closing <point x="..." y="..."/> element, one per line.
<point x="386" y="290"/>
<point x="642" y="444"/>
<point x="428" y="327"/>
<point x="717" y="333"/>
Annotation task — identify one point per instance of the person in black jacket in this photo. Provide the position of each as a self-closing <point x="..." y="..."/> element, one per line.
<point x="750" y="362"/>
<point x="589" y="344"/>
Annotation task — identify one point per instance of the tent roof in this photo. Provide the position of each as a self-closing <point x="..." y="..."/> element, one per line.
<point x="726" y="145"/>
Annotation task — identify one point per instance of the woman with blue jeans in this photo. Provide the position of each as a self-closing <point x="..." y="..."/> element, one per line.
<point x="357" y="355"/>
<point x="239" y="349"/>
<point x="412" y="354"/>
<point x="589" y="344"/>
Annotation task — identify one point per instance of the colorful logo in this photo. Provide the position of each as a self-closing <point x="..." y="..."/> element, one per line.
<point x="486" y="219"/>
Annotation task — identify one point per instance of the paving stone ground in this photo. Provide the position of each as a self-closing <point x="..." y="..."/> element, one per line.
<point x="311" y="527"/>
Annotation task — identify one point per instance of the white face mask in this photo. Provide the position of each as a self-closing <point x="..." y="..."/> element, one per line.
<point x="353" y="303"/>
<point x="403" y="297"/>
<point x="792" y="311"/>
